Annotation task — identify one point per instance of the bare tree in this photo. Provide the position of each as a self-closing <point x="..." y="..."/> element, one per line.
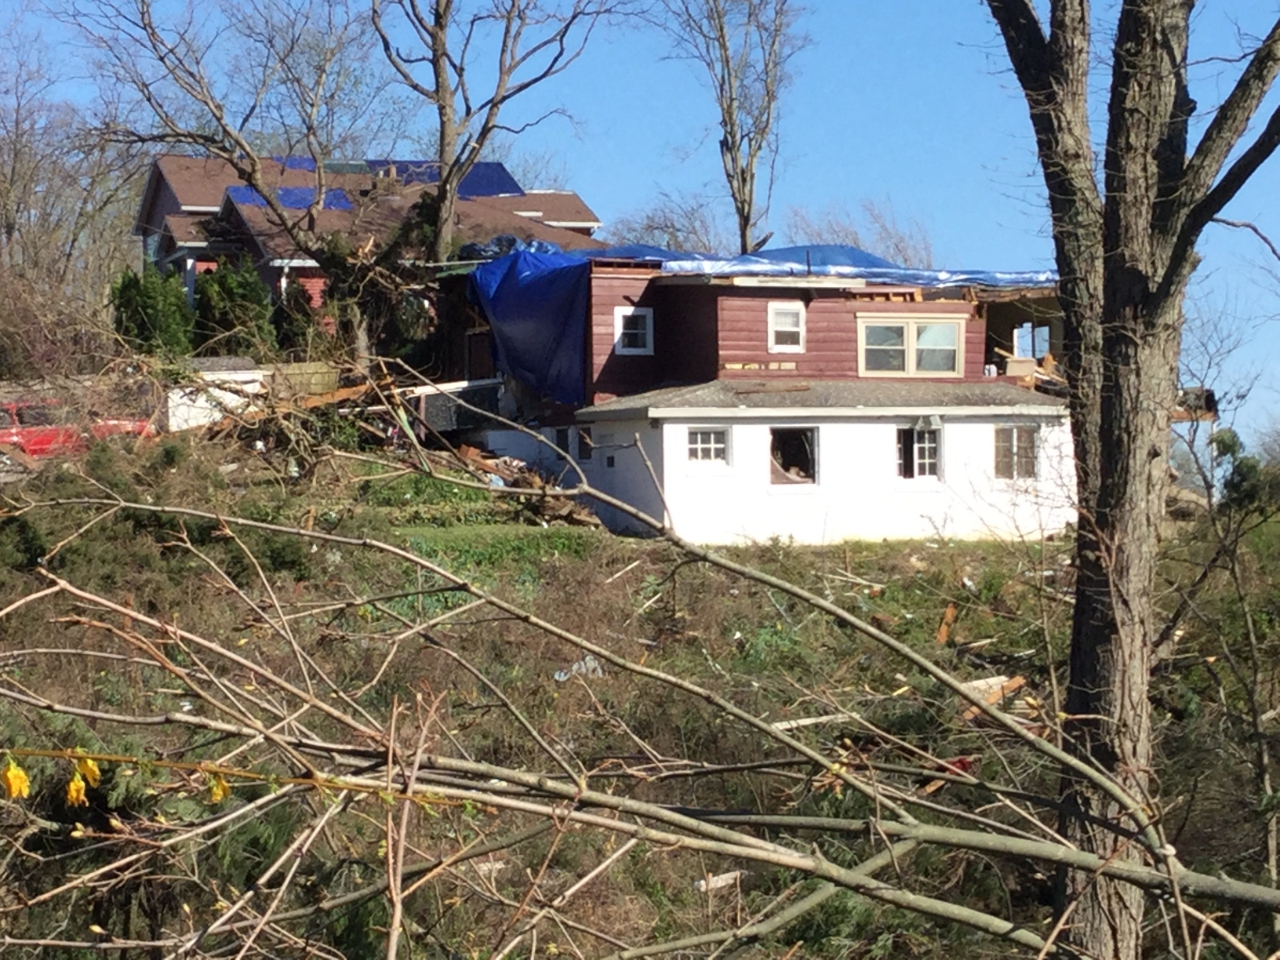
<point x="877" y="230"/>
<point x="66" y="198"/>
<point x="243" y="82"/>
<point x="1125" y="250"/>
<point x="534" y="40"/>
<point x="674" y="221"/>
<point x="744" y="48"/>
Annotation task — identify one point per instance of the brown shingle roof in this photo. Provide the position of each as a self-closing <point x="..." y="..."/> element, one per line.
<point x="379" y="215"/>
<point x="547" y="206"/>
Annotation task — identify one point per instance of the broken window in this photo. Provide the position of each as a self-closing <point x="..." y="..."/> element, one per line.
<point x="1016" y="452"/>
<point x="633" y="330"/>
<point x="794" y="453"/>
<point x="937" y="347"/>
<point x="585" y="446"/>
<point x="918" y="452"/>
<point x="1031" y="340"/>
<point x="708" y="444"/>
<point x="786" y="327"/>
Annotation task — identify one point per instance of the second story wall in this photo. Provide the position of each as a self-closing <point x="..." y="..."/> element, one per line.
<point x="822" y="335"/>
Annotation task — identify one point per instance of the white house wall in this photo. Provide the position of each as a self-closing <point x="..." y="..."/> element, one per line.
<point x="858" y="494"/>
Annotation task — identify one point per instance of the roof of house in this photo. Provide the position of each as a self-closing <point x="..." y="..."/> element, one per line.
<point x="828" y="398"/>
<point x="490" y="201"/>
<point x="377" y="217"/>
<point x="560" y="208"/>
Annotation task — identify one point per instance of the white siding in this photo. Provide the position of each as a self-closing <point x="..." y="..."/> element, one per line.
<point x="859" y="494"/>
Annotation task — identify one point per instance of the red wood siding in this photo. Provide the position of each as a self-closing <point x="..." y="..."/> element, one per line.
<point x="608" y="374"/>
<point x="831" y="334"/>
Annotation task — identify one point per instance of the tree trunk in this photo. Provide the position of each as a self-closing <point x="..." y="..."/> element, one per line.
<point x="1115" y="621"/>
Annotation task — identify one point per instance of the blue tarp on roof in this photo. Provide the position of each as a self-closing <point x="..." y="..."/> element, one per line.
<point x="486" y="179"/>
<point x="536" y="304"/>
<point x="291" y="198"/>
<point x="296" y="163"/>
<point x="849" y="262"/>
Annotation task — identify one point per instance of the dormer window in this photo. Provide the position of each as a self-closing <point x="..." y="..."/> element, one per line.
<point x="633" y="331"/>
<point x="786" y="327"/>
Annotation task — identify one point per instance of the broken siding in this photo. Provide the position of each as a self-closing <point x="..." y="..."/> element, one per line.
<point x="685" y="330"/>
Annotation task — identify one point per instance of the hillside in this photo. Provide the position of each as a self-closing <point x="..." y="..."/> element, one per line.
<point x="239" y="685"/>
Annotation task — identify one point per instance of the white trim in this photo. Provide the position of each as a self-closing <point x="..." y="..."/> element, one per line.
<point x="789" y="306"/>
<point x="188" y="209"/>
<point x="714" y="414"/>
<point x="909" y="321"/>
<point x="572" y="224"/>
<point x="619" y="316"/>
<point x="292" y="263"/>
<point x="527" y="213"/>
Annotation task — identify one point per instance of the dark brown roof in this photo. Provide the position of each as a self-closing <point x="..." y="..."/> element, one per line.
<point x="185" y="228"/>
<point x="558" y="207"/>
<point x="376" y="217"/>
<point x="813" y="397"/>
<point x="201" y="181"/>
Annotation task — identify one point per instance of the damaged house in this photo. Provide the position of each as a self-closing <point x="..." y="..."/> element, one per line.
<point x="816" y="393"/>
<point x="196" y="210"/>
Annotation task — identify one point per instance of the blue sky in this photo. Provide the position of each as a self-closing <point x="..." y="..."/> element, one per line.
<point x="908" y="102"/>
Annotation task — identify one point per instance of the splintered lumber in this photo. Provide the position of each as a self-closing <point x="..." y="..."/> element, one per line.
<point x="948" y="621"/>
<point x="991" y="690"/>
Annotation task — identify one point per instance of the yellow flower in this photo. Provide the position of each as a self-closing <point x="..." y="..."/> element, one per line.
<point x="15" y="780"/>
<point x="219" y="789"/>
<point x="75" y="791"/>
<point x="88" y="768"/>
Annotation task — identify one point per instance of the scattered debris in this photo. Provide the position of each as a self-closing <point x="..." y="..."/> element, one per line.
<point x="992" y="690"/>
<point x="783" y="726"/>
<point x="719" y="882"/>
<point x="588" y="666"/>
<point x="948" y="621"/>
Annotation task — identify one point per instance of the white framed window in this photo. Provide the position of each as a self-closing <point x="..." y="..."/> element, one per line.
<point x="1016" y="452"/>
<point x="919" y="452"/>
<point x="911" y="347"/>
<point x="786" y="326"/>
<point x="709" y="443"/>
<point x="585" y="444"/>
<point x="633" y="331"/>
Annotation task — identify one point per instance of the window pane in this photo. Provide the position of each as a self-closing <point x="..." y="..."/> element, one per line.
<point x="1004" y="453"/>
<point x="926" y="453"/>
<point x="786" y="338"/>
<point x="786" y="319"/>
<point x="1026" y="444"/>
<point x="936" y="335"/>
<point x="881" y="358"/>
<point x="707" y="445"/>
<point x="886" y="336"/>
<point x="906" y="453"/>
<point x="930" y="360"/>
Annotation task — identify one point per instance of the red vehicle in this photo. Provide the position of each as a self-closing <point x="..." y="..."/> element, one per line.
<point x="47" y="428"/>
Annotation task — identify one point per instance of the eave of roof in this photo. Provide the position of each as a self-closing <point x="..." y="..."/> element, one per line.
<point x="846" y="399"/>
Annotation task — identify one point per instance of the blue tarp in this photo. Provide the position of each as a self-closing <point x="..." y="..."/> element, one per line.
<point x="291" y="198"/>
<point x="536" y="304"/>
<point x="488" y="178"/>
